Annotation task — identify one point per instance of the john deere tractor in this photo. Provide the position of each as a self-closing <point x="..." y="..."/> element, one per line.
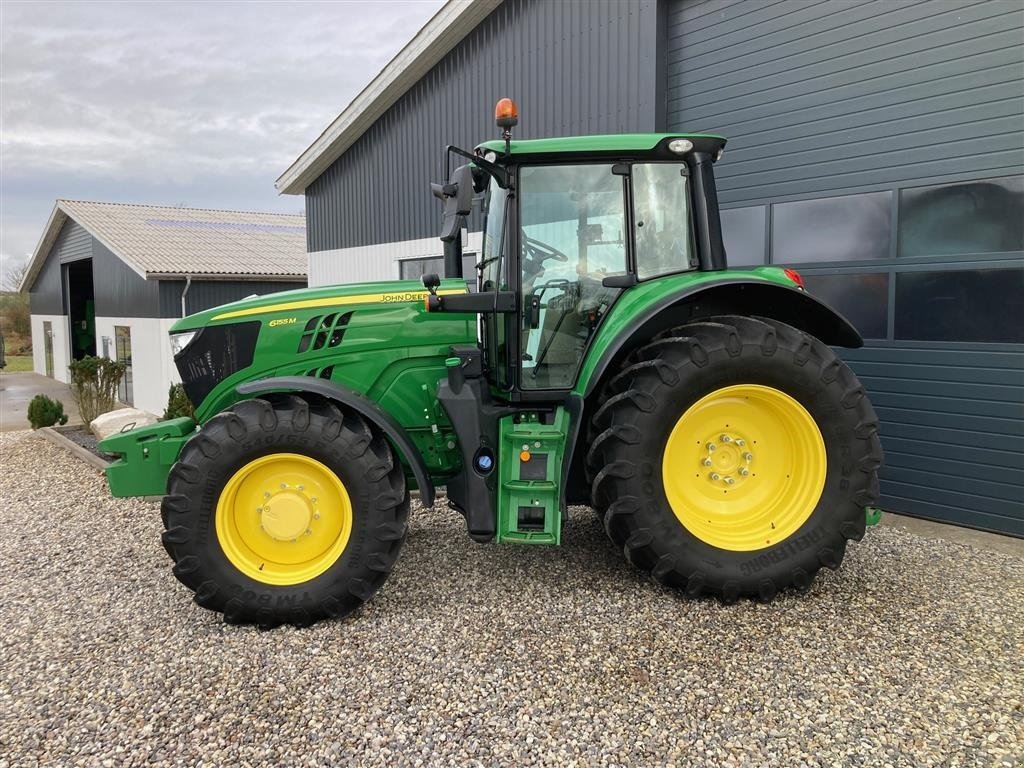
<point x="602" y="354"/>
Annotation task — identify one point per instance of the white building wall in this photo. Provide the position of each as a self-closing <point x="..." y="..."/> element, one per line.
<point x="153" y="369"/>
<point x="368" y="263"/>
<point x="61" y="331"/>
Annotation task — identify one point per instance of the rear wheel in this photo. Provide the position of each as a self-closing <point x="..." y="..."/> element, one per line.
<point x="734" y="457"/>
<point x="284" y="511"/>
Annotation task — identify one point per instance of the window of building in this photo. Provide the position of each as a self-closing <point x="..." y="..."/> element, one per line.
<point x="847" y="228"/>
<point x="414" y="269"/>
<point x="971" y="217"/>
<point x="744" y="235"/>
<point x="123" y="354"/>
<point x="862" y="298"/>
<point x="980" y="305"/>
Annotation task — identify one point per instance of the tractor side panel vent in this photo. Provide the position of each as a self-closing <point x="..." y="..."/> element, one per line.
<point x="324" y="331"/>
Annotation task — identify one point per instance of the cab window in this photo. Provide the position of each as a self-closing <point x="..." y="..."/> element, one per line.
<point x="662" y="221"/>
<point x="573" y="228"/>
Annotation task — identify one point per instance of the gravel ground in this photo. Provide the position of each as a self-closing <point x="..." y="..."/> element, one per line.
<point x="481" y="655"/>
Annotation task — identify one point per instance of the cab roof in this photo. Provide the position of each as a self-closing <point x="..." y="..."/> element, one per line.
<point x="638" y="145"/>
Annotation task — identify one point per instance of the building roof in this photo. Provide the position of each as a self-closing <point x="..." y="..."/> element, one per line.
<point x="159" y="241"/>
<point x="445" y="30"/>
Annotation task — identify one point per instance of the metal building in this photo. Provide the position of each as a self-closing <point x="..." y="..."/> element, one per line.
<point x="877" y="147"/>
<point x="110" y="279"/>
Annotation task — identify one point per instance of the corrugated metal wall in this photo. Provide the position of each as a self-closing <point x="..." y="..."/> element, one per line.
<point x="119" y="290"/>
<point x="573" y="67"/>
<point x="203" y="294"/>
<point x="879" y="147"/>
<point x="848" y="96"/>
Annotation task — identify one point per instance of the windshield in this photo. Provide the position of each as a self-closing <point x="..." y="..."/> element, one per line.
<point x="494" y="224"/>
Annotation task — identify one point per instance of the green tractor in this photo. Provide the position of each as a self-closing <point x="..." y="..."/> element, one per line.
<point x="602" y="355"/>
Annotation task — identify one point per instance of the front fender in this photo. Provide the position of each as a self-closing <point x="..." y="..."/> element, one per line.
<point x="360" y="404"/>
<point x="660" y="304"/>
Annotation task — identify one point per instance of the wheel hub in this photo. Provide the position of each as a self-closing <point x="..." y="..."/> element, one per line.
<point x="286" y="515"/>
<point x="727" y="459"/>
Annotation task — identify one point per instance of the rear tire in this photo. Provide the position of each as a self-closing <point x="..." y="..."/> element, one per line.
<point x="253" y="570"/>
<point x="658" y="488"/>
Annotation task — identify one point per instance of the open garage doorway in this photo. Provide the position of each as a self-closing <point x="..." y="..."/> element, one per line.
<point x="81" y="307"/>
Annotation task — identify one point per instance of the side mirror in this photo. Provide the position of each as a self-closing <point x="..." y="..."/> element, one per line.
<point x="457" y="196"/>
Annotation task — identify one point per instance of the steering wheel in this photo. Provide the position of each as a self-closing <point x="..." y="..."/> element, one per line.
<point x="535" y="253"/>
<point x="541" y="251"/>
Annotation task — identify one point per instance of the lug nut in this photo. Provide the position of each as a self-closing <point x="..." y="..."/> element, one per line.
<point x="302" y="487"/>
<point x="744" y="471"/>
<point x="715" y="476"/>
<point x="729" y="481"/>
<point x="748" y="456"/>
<point x="316" y="515"/>
<point x="266" y="494"/>
<point x="309" y="531"/>
<point x="707" y="462"/>
<point x="725" y="439"/>
<point x="740" y="442"/>
<point x="283" y="486"/>
<point x="711" y="446"/>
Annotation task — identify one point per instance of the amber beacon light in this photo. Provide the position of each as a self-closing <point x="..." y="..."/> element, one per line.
<point x="506" y="113"/>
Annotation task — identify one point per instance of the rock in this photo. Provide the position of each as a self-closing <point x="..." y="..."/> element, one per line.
<point x="121" y="420"/>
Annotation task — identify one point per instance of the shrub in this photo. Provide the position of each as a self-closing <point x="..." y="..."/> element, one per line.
<point x="94" y="383"/>
<point x="44" y="411"/>
<point x="178" y="403"/>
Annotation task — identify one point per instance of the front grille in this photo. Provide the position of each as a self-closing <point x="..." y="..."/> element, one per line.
<point x="214" y="354"/>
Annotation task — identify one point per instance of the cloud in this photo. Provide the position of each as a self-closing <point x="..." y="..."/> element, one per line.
<point x="202" y="103"/>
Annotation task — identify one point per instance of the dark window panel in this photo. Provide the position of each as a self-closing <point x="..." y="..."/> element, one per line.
<point x="414" y="269"/>
<point x="973" y="217"/>
<point x="743" y="230"/>
<point x="847" y="228"/>
<point x="862" y="298"/>
<point x="981" y="305"/>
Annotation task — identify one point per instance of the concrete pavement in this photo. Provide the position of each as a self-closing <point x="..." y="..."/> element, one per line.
<point x="17" y="389"/>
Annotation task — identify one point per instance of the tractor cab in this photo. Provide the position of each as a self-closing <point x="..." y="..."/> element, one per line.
<point x="568" y="225"/>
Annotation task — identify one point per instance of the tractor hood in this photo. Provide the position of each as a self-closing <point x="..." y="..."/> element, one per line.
<point x="281" y="306"/>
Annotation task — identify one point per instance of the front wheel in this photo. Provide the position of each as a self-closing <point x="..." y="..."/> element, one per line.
<point x="284" y="510"/>
<point x="734" y="457"/>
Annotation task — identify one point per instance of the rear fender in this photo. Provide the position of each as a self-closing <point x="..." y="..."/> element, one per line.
<point x="362" y="405"/>
<point x="734" y="296"/>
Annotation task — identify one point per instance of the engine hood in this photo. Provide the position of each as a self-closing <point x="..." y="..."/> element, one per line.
<point x="280" y="306"/>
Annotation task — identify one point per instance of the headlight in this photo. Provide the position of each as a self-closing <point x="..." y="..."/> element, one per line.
<point x="181" y="340"/>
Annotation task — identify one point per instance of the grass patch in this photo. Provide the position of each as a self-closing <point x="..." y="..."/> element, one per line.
<point x="18" y="364"/>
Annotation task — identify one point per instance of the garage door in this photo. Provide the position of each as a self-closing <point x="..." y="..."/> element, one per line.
<point x="879" y="148"/>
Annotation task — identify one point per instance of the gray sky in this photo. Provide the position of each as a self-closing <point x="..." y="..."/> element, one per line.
<point x="201" y="104"/>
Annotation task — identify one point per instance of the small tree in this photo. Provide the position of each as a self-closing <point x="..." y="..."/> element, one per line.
<point x="178" y="403"/>
<point x="94" y="383"/>
<point x="45" y="412"/>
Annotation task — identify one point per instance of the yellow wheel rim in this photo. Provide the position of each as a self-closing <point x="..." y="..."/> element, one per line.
<point x="744" y="467"/>
<point x="283" y="519"/>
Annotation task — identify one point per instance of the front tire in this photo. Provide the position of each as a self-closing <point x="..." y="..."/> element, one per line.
<point x="734" y="457"/>
<point x="285" y="510"/>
